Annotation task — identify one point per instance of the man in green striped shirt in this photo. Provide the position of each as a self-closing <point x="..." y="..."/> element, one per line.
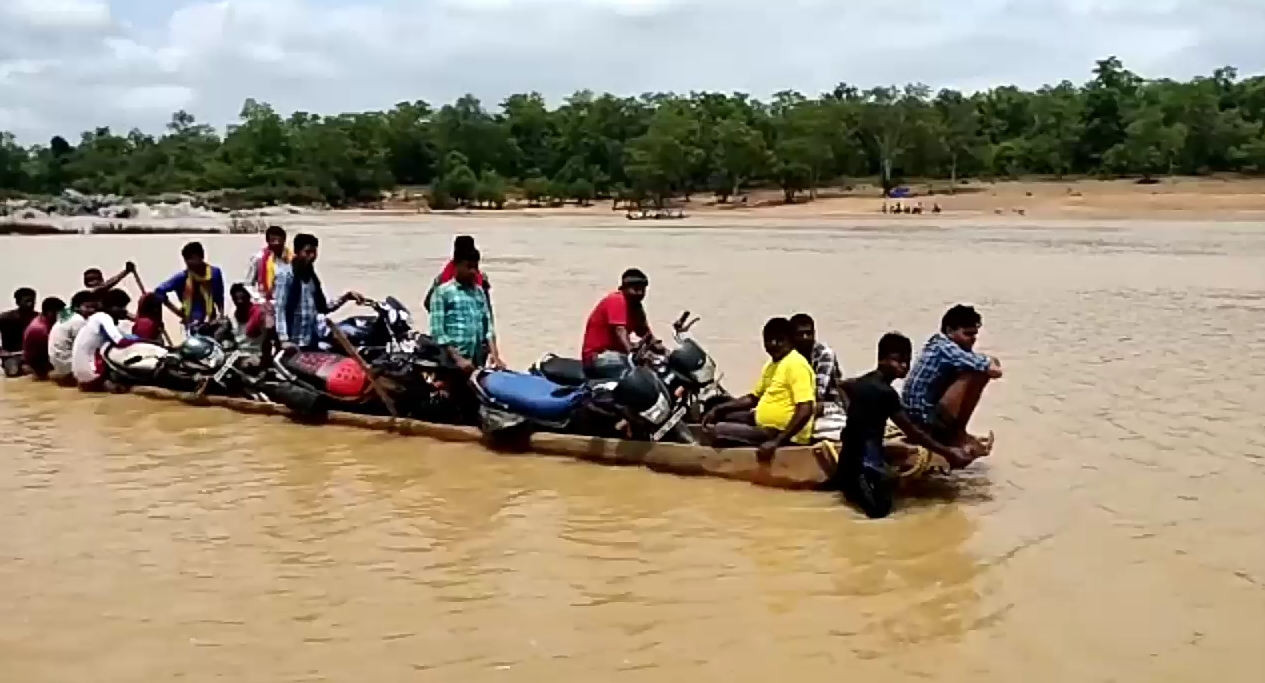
<point x="461" y="318"/>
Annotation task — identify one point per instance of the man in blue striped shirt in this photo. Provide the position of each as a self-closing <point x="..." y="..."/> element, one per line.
<point x="946" y="383"/>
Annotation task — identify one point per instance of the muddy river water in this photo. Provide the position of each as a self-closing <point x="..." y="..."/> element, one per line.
<point x="1115" y="534"/>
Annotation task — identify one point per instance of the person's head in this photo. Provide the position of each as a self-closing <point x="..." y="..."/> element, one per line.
<point x="241" y="297"/>
<point x="275" y="236"/>
<point x="805" y="331"/>
<point x="462" y="244"/>
<point x="194" y="256"/>
<point x="24" y="297"/>
<point x="115" y="302"/>
<point x="84" y="302"/>
<point x="51" y="308"/>
<point x="466" y="266"/>
<point x="92" y="278"/>
<point x="305" y="249"/>
<point x="961" y="324"/>
<point x="777" y="337"/>
<point x="894" y="353"/>
<point x="150" y="306"/>
<point x="633" y="284"/>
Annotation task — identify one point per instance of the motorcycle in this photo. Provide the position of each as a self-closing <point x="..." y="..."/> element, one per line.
<point x="688" y="376"/>
<point x="312" y="383"/>
<point x="388" y="330"/>
<point x="199" y="363"/>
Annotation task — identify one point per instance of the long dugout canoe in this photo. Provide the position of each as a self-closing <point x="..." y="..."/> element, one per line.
<point x="794" y="467"/>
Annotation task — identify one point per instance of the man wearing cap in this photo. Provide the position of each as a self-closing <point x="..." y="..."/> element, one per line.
<point x="608" y="333"/>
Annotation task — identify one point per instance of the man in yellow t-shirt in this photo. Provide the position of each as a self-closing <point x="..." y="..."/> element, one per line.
<point x="780" y="409"/>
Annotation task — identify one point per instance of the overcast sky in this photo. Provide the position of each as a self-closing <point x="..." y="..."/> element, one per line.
<point x="68" y="65"/>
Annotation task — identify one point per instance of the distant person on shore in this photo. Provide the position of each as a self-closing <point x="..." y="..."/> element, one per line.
<point x="13" y="322"/>
<point x="200" y="287"/>
<point x="101" y="328"/>
<point x="95" y="281"/>
<point x="299" y="298"/>
<point x="61" y="340"/>
<point x="863" y="473"/>
<point x="779" y="411"/>
<point x="148" y="325"/>
<point x="608" y="340"/>
<point x="462" y="244"/>
<point x="261" y="273"/>
<point x="829" y="416"/>
<point x="461" y="320"/>
<point x="35" y="339"/>
<point x="946" y="383"/>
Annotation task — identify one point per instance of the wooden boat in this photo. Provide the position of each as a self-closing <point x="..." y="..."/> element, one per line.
<point x="794" y="467"/>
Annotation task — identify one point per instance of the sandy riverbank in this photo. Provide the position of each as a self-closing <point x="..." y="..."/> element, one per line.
<point x="1176" y="198"/>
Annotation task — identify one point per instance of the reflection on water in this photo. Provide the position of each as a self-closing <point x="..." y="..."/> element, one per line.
<point x="1114" y="536"/>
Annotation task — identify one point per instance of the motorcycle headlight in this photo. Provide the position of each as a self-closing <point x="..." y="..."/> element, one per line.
<point x="658" y="413"/>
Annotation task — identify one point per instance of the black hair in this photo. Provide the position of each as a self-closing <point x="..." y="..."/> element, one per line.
<point x="23" y="292"/>
<point x="778" y="328"/>
<point x="117" y="298"/>
<point x="461" y="244"/>
<point x="960" y="316"/>
<point x="275" y="231"/>
<point x="237" y="287"/>
<point x="193" y="250"/>
<point x="150" y="306"/>
<point x="304" y="240"/>
<point x="802" y="320"/>
<point x="633" y="277"/>
<point x="92" y="271"/>
<point x="470" y="256"/>
<point x="894" y="344"/>
<point x="52" y="306"/>
<point x="82" y="297"/>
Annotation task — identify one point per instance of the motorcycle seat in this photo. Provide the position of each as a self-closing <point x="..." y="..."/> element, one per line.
<point x="565" y="371"/>
<point x="532" y="395"/>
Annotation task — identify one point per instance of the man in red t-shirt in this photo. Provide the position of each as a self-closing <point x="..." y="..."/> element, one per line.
<point x="618" y="314"/>
<point x="35" y="338"/>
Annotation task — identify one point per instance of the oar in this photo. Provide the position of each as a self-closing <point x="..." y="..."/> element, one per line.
<point x="141" y="286"/>
<point x="350" y="350"/>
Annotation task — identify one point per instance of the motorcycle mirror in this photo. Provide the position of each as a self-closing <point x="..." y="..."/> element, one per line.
<point x="681" y="320"/>
<point x="688" y="325"/>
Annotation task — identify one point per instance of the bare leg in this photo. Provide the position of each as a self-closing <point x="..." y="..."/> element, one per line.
<point x="958" y="405"/>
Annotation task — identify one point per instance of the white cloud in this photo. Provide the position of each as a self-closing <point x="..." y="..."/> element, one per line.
<point x="69" y="65"/>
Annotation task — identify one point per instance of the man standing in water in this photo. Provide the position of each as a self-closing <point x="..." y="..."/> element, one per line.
<point x="61" y="340"/>
<point x="13" y="322"/>
<point x="779" y="411"/>
<point x="620" y="314"/>
<point x="101" y="328"/>
<point x="94" y="280"/>
<point x="35" y="339"/>
<point x="863" y="471"/>
<point x="200" y="287"/>
<point x="830" y="400"/>
<point x="299" y="299"/>
<point x="461" y="319"/>
<point x="261" y="273"/>
<point x="946" y="383"/>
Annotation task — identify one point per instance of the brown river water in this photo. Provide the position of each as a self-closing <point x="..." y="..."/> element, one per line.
<point x="1114" y="535"/>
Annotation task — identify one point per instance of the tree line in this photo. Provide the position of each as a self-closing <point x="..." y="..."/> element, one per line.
<point x="658" y="146"/>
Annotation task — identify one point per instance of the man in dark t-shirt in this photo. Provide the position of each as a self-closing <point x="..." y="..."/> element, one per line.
<point x="863" y="472"/>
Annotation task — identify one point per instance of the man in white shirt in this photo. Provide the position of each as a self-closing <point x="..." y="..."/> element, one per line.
<point x="100" y="328"/>
<point x="61" y="339"/>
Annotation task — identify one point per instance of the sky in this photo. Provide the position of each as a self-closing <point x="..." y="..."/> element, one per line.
<point x="70" y="65"/>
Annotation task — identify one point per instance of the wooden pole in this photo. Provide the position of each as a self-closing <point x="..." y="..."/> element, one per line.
<point x="350" y="350"/>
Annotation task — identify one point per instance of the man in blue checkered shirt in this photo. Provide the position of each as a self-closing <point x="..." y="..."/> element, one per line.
<point x="946" y="383"/>
<point x="461" y="318"/>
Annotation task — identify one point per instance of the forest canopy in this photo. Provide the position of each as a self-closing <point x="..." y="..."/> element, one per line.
<point x="664" y="145"/>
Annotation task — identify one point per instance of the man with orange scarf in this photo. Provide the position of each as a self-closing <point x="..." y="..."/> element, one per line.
<point x="200" y="287"/>
<point x="261" y="274"/>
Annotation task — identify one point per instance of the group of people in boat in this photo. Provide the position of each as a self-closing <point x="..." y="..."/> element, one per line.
<point x="800" y="396"/>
